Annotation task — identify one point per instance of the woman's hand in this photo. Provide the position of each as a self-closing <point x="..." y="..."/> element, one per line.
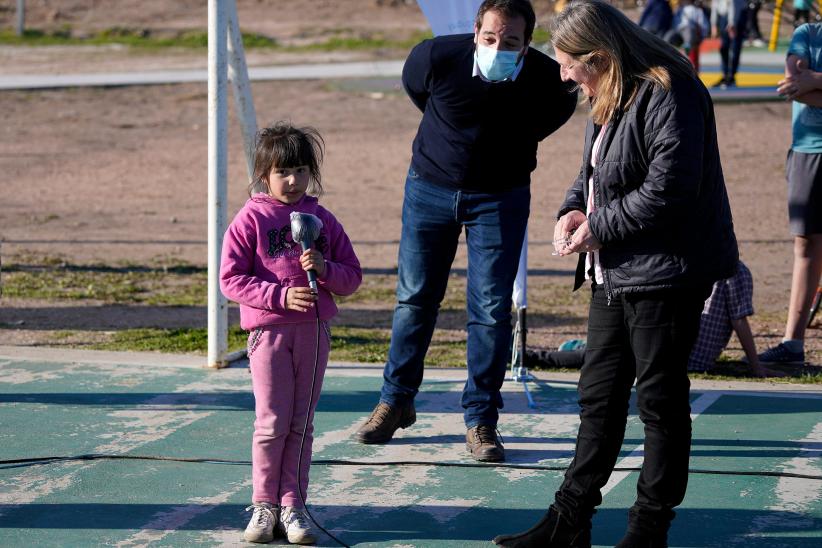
<point x="583" y="240"/>
<point x="565" y="227"/>
<point x="301" y="299"/>
<point x="312" y="259"/>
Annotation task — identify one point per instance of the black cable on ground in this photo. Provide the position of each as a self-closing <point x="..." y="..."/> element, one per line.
<point x="305" y="429"/>
<point x="32" y="461"/>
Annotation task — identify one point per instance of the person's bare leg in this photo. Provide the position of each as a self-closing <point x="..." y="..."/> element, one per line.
<point x="807" y="268"/>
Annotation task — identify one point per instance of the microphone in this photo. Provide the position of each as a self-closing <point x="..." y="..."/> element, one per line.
<point x="305" y="228"/>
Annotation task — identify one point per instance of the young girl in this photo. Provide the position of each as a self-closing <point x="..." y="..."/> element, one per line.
<point x="264" y="270"/>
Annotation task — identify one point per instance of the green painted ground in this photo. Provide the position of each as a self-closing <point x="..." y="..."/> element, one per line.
<point x="51" y="409"/>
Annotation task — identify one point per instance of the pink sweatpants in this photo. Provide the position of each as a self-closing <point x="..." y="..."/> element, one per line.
<point x="282" y="362"/>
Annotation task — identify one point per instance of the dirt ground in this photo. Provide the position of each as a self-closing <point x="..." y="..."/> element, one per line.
<point x="120" y="174"/>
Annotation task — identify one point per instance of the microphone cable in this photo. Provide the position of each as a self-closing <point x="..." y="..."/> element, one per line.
<point x="35" y="461"/>
<point x="308" y="418"/>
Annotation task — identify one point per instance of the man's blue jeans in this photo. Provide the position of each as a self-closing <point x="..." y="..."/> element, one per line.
<point x="432" y="219"/>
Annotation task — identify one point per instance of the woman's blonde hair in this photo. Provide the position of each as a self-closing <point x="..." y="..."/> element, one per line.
<point x="622" y="54"/>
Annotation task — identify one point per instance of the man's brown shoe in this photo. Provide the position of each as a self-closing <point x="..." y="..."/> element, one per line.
<point x="384" y="421"/>
<point x="481" y="441"/>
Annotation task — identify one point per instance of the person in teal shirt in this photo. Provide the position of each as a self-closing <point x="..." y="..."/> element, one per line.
<point x="803" y="170"/>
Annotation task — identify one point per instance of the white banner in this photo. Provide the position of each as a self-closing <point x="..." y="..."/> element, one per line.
<point x="450" y="16"/>
<point x="520" y="297"/>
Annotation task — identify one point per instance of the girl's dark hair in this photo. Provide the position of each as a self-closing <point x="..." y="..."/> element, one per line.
<point x="510" y="8"/>
<point x="285" y="146"/>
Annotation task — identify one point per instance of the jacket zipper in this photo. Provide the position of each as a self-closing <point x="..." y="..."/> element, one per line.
<point x="606" y="278"/>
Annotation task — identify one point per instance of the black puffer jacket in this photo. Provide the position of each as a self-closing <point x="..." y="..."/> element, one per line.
<point x="661" y="207"/>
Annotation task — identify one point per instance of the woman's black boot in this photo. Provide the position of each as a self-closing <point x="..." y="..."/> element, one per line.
<point x="552" y="531"/>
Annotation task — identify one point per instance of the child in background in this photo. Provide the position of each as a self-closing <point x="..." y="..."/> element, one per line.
<point x="692" y="24"/>
<point x="264" y="270"/>
<point x="726" y="311"/>
<point x="801" y="12"/>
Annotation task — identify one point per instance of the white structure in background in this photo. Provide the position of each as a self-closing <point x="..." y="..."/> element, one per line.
<point x="455" y="17"/>
<point x="225" y="46"/>
<point x="450" y="16"/>
<point x="20" y="26"/>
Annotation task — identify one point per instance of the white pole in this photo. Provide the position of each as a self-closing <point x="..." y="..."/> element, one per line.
<point x="217" y="175"/>
<point x="21" y="17"/>
<point x="238" y="74"/>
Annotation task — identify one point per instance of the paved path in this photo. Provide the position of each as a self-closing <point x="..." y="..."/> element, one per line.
<point x="366" y="69"/>
<point x="754" y="60"/>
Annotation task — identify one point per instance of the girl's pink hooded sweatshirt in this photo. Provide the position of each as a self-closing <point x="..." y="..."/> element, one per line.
<point x="260" y="261"/>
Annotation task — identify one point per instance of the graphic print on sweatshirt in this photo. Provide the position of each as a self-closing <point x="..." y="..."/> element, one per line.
<point x="281" y="244"/>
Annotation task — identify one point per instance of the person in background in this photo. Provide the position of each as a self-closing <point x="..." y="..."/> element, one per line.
<point x="657" y="17"/>
<point x="650" y="219"/>
<point x="803" y="169"/>
<point x="726" y="311"/>
<point x="692" y="25"/>
<point x="264" y="270"/>
<point x="753" y="36"/>
<point x="801" y="12"/>
<point x="487" y="100"/>
<point x="729" y="19"/>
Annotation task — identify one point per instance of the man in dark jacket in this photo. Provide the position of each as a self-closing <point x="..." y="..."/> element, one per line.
<point x="487" y="101"/>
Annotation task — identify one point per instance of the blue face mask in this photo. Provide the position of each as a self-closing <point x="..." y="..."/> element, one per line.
<point x="496" y="65"/>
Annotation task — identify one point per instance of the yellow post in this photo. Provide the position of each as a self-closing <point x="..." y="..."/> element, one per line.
<point x="777" y="17"/>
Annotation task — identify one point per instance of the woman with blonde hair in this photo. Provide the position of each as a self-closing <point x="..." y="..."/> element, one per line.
<point x="649" y="216"/>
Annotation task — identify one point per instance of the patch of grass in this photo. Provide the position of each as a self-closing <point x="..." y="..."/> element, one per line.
<point x="48" y="279"/>
<point x="183" y="340"/>
<point x="374" y="289"/>
<point x="547" y="294"/>
<point x="197" y="39"/>
<point x="446" y="354"/>
<point x="540" y="36"/>
<point x="348" y="344"/>
<point x="382" y="289"/>
<point x="136" y="38"/>
<point x="728" y="369"/>
<point x="375" y="41"/>
<point x="354" y="344"/>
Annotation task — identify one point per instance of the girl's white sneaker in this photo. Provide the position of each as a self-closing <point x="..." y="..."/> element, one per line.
<point x="263" y="521"/>
<point x="296" y="527"/>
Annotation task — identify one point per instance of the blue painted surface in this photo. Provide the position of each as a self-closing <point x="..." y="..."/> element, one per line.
<point x="56" y="409"/>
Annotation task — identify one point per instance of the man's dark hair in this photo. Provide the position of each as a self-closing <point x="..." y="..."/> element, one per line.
<point x="510" y="8"/>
